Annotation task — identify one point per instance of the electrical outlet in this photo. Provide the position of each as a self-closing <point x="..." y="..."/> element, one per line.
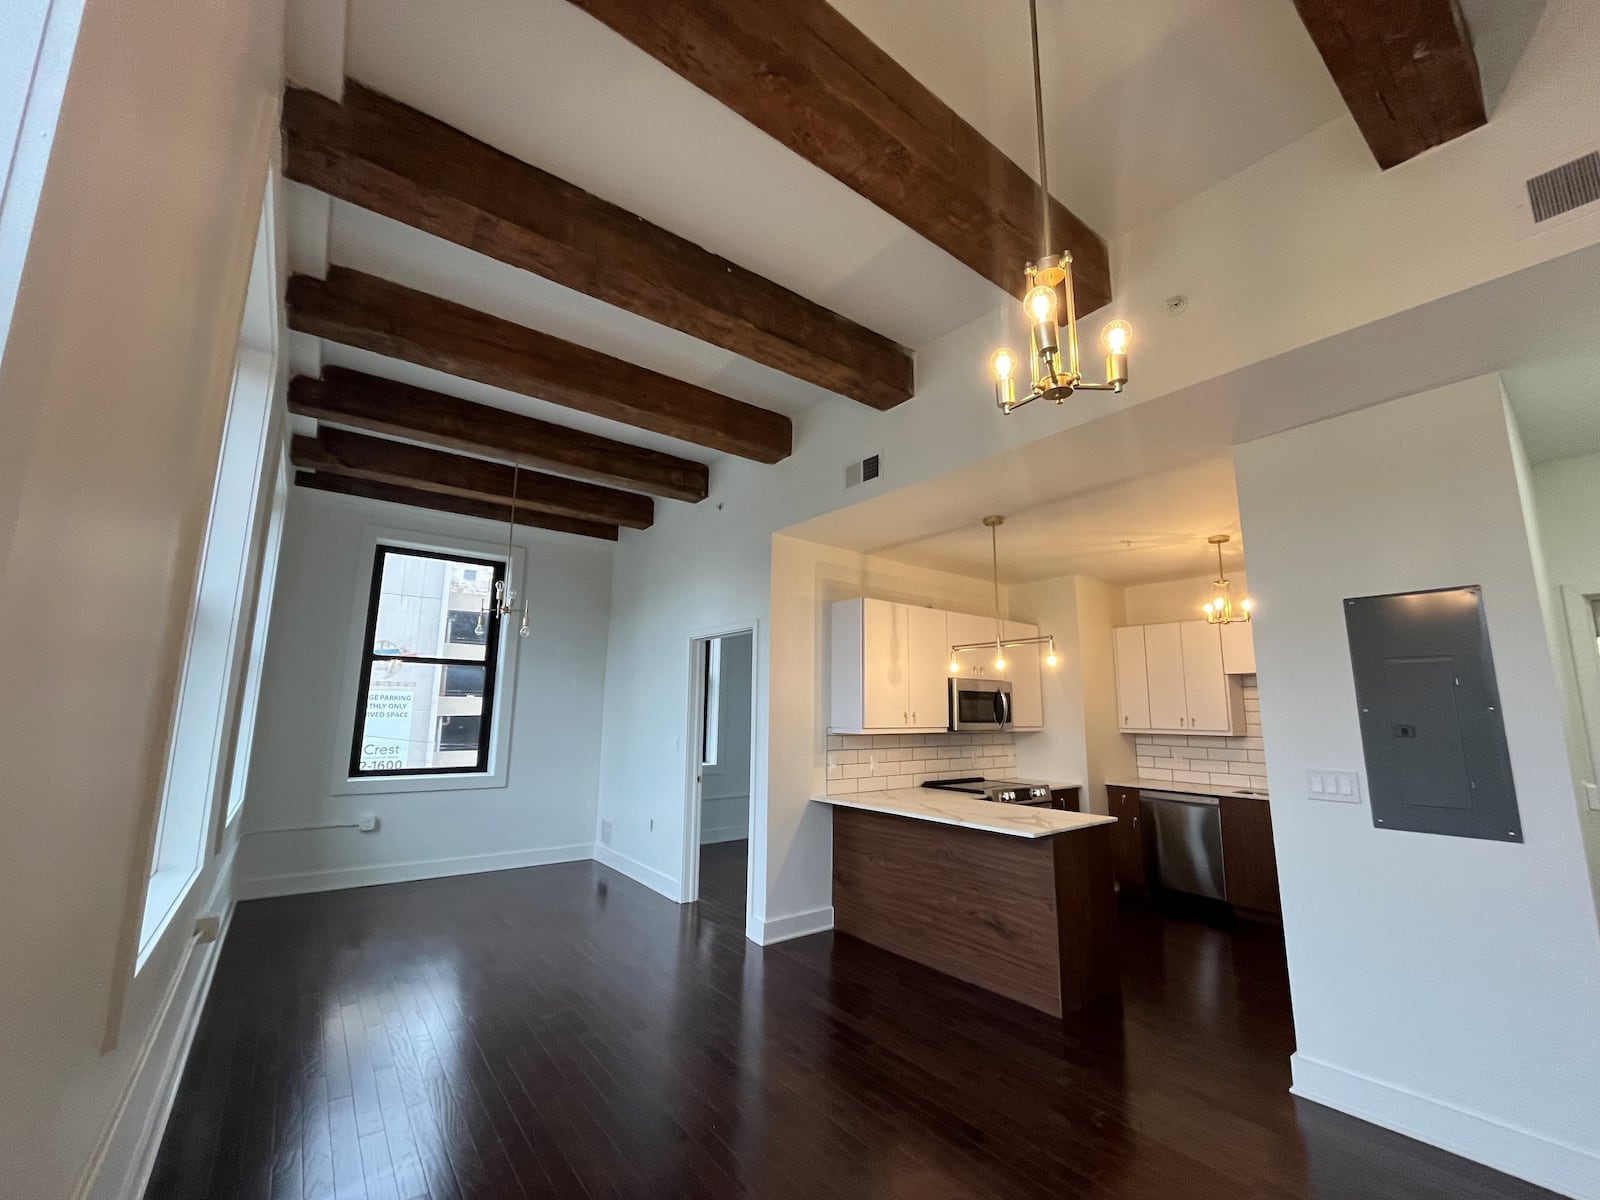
<point x="367" y="822"/>
<point x="1592" y="791"/>
<point x="206" y="928"/>
<point x="1338" y="787"/>
<point x="605" y="833"/>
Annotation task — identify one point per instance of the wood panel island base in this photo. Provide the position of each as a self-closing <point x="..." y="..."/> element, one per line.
<point x="1013" y="899"/>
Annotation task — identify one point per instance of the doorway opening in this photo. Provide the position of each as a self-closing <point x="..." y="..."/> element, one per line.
<point x="721" y="777"/>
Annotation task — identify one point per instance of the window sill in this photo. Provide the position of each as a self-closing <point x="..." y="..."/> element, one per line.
<point x="163" y="896"/>
<point x="377" y="785"/>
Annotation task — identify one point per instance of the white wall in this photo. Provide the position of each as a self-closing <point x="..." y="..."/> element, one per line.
<point x="1179" y="599"/>
<point x="545" y="813"/>
<point x="1446" y="987"/>
<point x="1567" y="492"/>
<point x="725" y="786"/>
<point x="113" y="389"/>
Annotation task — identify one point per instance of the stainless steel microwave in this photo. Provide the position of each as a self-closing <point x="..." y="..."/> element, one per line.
<point x="980" y="705"/>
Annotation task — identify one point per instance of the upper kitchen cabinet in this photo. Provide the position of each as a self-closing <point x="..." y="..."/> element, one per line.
<point x="1027" y="683"/>
<point x="965" y="630"/>
<point x="889" y="668"/>
<point x="1133" y="685"/>
<point x="1238" y="648"/>
<point x="1171" y="678"/>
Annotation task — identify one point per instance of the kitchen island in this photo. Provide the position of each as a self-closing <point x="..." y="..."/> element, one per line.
<point x="1014" y="899"/>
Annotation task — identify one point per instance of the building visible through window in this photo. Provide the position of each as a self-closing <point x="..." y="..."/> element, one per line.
<point x="428" y="677"/>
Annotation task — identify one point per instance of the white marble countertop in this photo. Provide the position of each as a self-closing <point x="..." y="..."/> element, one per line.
<point x="968" y="812"/>
<point x="1186" y="789"/>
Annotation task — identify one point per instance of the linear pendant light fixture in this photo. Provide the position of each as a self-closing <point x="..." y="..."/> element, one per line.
<point x="1049" y="304"/>
<point x="1001" y="642"/>
<point x="1219" y="609"/>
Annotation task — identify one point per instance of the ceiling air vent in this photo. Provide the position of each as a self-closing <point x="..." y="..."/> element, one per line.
<point x="1560" y="191"/>
<point x="865" y="471"/>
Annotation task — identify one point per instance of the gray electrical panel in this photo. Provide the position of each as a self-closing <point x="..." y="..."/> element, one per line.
<point x="1430" y="715"/>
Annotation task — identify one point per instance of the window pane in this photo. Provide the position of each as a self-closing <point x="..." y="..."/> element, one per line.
<point x="430" y="607"/>
<point x="459" y="733"/>
<point x="463" y="681"/>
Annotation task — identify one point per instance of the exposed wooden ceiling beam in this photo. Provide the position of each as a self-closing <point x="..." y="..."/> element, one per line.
<point x="1407" y="71"/>
<point x="383" y="461"/>
<point x="374" y="314"/>
<point x="324" y="481"/>
<point x="356" y="400"/>
<point x="804" y="75"/>
<point x="382" y="155"/>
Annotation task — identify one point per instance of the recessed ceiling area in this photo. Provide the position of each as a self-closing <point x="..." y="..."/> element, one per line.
<point x="1557" y="402"/>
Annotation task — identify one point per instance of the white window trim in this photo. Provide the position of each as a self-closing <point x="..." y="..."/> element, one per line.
<point x="498" y="774"/>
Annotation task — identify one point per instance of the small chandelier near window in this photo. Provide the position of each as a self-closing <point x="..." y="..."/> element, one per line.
<point x="1219" y="609"/>
<point x="1051" y="310"/>
<point x="505" y="596"/>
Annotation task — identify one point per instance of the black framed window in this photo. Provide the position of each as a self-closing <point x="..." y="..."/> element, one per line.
<point x="425" y="701"/>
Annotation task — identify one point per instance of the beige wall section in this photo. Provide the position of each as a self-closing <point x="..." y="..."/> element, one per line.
<point x="112" y="393"/>
<point x="1487" y="1043"/>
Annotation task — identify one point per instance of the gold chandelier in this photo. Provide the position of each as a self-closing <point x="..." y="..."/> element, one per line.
<point x="1049" y="304"/>
<point x="1219" y="609"/>
<point x="505" y="596"/>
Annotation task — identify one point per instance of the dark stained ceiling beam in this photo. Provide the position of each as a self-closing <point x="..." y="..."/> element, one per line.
<point x="380" y="460"/>
<point x="355" y="400"/>
<point x="384" y="156"/>
<point x="386" y="318"/>
<point x="1407" y="71"/>
<point x="807" y="77"/>
<point x="324" y="481"/>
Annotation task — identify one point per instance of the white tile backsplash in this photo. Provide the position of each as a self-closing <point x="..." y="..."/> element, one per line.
<point x="878" y="762"/>
<point x="1234" y="762"/>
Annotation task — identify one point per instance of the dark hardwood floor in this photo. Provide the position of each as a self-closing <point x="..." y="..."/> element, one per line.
<point x="562" y="1031"/>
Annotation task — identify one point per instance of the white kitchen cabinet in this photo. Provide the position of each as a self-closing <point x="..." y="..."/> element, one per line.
<point x="882" y="656"/>
<point x="964" y="629"/>
<point x="1163" y="652"/>
<point x="1171" y="678"/>
<point x="1027" y="680"/>
<point x="1238" y="648"/>
<point x="1205" y="686"/>
<point x="928" y="670"/>
<point x="1133" y="688"/>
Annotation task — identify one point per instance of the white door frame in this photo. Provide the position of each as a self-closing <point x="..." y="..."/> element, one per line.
<point x="699" y="647"/>
<point x="1586" y="670"/>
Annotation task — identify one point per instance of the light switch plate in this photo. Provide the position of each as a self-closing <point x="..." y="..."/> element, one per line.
<point x="1592" y="793"/>
<point x="1337" y="787"/>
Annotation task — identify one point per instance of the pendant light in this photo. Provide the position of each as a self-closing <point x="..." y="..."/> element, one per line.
<point x="1001" y="642"/>
<point x="505" y="596"/>
<point x="1219" y="609"/>
<point x="1049" y="304"/>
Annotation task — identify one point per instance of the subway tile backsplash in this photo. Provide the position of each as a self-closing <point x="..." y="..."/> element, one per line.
<point x="1234" y="762"/>
<point x="877" y="762"/>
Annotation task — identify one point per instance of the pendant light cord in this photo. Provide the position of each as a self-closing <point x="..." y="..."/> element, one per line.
<point x="994" y="573"/>
<point x="1038" y="117"/>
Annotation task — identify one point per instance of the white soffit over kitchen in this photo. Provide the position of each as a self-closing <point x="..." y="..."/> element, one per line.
<point x="1141" y="530"/>
<point x="1557" y="402"/>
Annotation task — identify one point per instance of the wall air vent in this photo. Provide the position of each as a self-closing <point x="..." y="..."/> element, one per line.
<point x="1559" y="192"/>
<point x="865" y="471"/>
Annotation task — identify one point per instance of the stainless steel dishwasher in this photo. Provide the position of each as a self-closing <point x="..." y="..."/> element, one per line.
<point x="1188" y="841"/>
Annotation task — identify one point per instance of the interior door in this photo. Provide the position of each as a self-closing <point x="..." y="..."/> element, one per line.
<point x="885" y="662"/>
<point x="928" y="668"/>
<point x="1163" y="648"/>
<point x="966" y="628"/>
<point x="1133" y="689"/>
<point x="1205" y="686"/>
<point x="1023" y="670"/>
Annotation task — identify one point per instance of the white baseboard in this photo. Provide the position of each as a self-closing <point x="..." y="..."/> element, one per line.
<point x="126" y="1153"/>
<point x="1563" y="1168"/>
<point x="728" y="833"/>
<point x="407" y="872"/>
<point x="637" y="871"/>
<point x="782" y="929"/>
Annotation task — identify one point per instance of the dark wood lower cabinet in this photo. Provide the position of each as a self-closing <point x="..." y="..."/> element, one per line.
<point x="1127" y="838"/>
<point x="1249" y="865"/>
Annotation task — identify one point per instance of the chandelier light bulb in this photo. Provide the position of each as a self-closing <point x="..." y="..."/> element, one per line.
<point x="1246" y="604"/>
<point x="1004" y="364"/>
<point x="1116" y="337"/>
<point x="955" y="667"/>
<point x="1050" y="659"/>
<point x="1041" y="304"/>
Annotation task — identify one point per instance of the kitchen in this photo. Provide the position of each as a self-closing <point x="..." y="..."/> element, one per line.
<point x="1120" y="708"/>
